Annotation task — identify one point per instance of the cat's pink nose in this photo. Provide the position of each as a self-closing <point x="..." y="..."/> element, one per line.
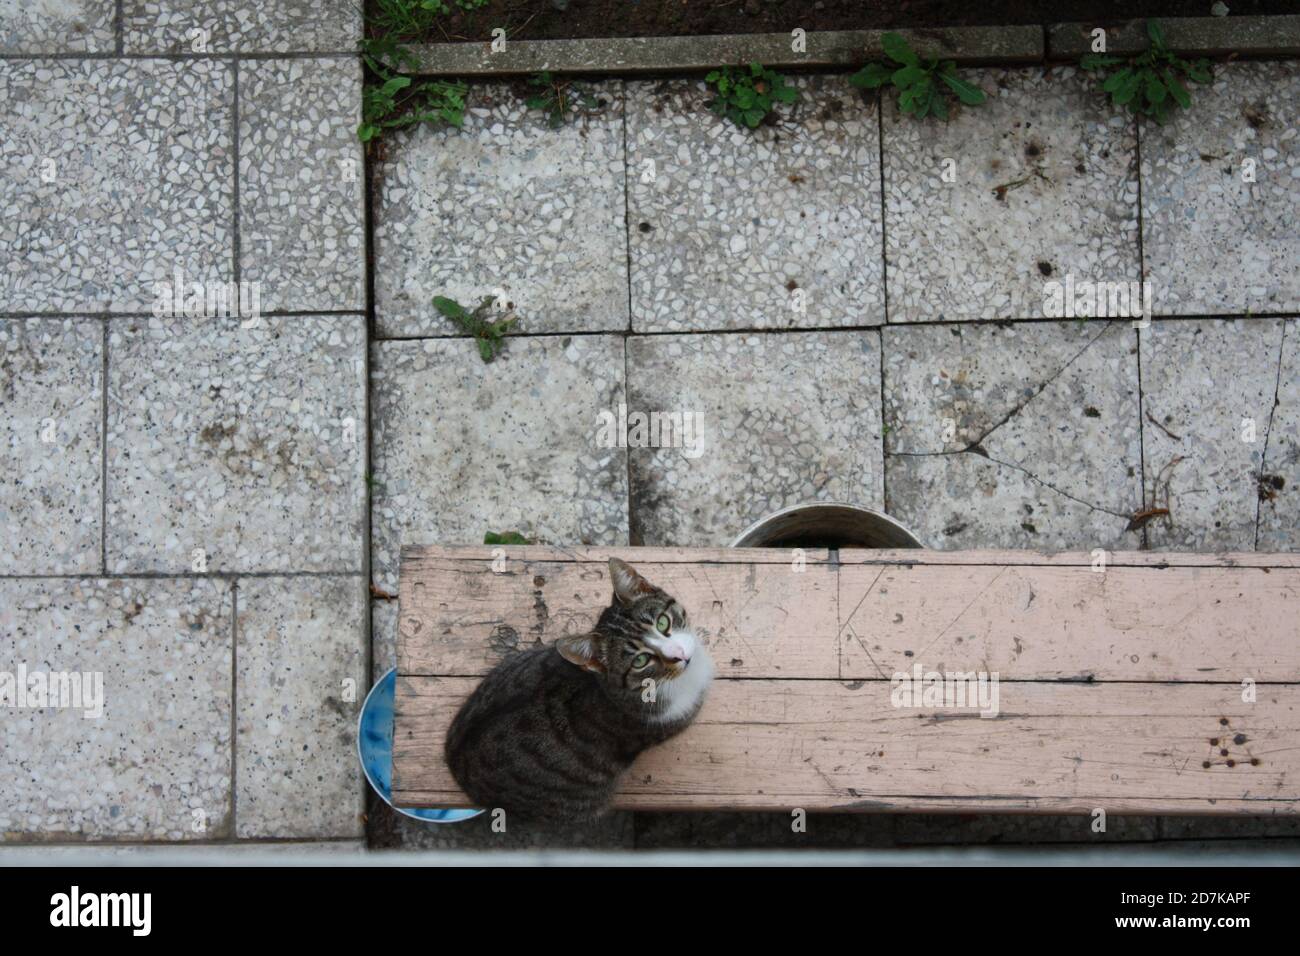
<point x="675" y="652"/>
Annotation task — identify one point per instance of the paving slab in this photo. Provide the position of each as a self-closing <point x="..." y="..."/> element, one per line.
<point x="1208" y="389"/>
<point x="780" y="419"/>
<point x="57" y="26"/>
<point x="1279" y="505"/>
<point x="300" y="681"/>
<point x="302" y="184"/>
<point x="1188" y="36"/>
<point x="389" y="830"/>
<point x="120" y="173"/>
<point x="462" y="447"/>
<point x="214" y="854"/>
<point x="1014" y="435"/>
<point x="155" y="763"/>
<point x="776" y="227"/>
<point x="505" y="206"/>
<point x="1226" y="828"/>
<point x="236" y="449"/>
<point x="830" y="831"/>
<point x="622" y="55"/>
<point x="237" y="26"/>
<point x="51" y="400"/>
<point x="383" y="637"/>
<point x="1215" y="243"/>
<point x="1043" y="186"/>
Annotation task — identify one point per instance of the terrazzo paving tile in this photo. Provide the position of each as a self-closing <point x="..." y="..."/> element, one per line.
<point x="57" y="26"/>
<point x="1279" y="506"/>
<point x="51" y="394"/>
<point x="301" y="184"/>
<point x="462" y="448"/>
<point x="1213" y="242"/>
<point x="777" y="227"/>
<point x="780" y="419"/>
<point x="1221" y="828"/>
<point x="966" y="249"/>
<point x="1208" y="388"/>
<point x="301" y="658"/>
<point x="1021" y="436"/>
<point x="383" y="636"/>
<point x="506" y="206"/>
<point x="238" y="26"/>
<point x="155" y="763"/>
<point x="390" y="830"/>
<point x="833" y="831"/>
<point x="244" y="444"/>
<point x="118" y="173"/>
<point x="214" y="854"/>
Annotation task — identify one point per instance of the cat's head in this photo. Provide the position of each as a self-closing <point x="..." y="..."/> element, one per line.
<point x="644" y="634"/>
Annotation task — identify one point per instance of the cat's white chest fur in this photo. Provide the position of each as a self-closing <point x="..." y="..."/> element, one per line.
<point x="680" y="696"/>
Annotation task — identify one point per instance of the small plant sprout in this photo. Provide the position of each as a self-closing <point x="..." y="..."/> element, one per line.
<point x="505" y="537"/>
<point x="919" y="83"/>
<point x="748" y="98"/>
<point x="1149" y="83"/>
<point x="488" y="331"/>
<point x="414" y="18"/>
<point x="397" y="100"/>
<point x="558" y="99"/>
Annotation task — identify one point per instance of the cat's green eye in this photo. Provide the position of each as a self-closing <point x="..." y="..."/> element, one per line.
<point x="640" y="661"/>
<point x="663" y="624"/>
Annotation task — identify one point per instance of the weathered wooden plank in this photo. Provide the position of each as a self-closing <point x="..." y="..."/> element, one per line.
<point x="831" y="745"/>
<point x="459" y="617"/>
<point x="1263" y="560"/>
<point x="1028" y="620"/>
<point x="801" y="715"/>
<point x="1207" y="623"/>
<point x="415" y="556"/>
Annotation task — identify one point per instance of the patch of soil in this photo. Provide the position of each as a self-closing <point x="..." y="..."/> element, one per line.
<point x="556" y="19"/>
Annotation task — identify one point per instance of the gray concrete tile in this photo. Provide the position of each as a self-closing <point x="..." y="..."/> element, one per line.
<point x="383" y="636"/>
<point x="776" y="227"/>
<point x="1213" y="242"/>
<point x="462" y="448"/>
<point x="389" y="830"/>
<point x="1279" y="506"/>
<point x="236" y="449"/>
<point x="122" y="173"/>
<point x="51" y="399"/>
<point x="302" y="184"/>
<point x="782" y="418"/>
<point x="833" y="831"/>
<point x="155" y="763"/>
<point x="1014" y="436"/>
<point x="57" y="26"/>
<point x="1208" y="389"/>
<point x="1225" y="828"/>
<point x="964" y="249"/>
<point x="300" y="681"/>
<point x="505" y="206"/>
<point x="237" y="26"/>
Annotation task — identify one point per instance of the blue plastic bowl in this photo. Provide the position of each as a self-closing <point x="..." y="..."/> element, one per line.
<point x="375" y="748"/>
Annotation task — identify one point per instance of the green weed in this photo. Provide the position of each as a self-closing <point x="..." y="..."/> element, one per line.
<point x="1150" y="82"/>
<point x="920" y="84"/>
<point x="747" y="98"/>
<point x="489" y="332"/>
<point x="558" y="99"/>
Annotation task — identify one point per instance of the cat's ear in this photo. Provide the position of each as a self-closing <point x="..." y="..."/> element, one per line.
<point x="582" y="650"/>
<point x="628" y="585"/>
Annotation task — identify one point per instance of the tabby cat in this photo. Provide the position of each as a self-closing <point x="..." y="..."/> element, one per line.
<point x="550" y="730"/>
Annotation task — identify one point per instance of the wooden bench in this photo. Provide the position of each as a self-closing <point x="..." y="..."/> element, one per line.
<point x="1119" y="689"/>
